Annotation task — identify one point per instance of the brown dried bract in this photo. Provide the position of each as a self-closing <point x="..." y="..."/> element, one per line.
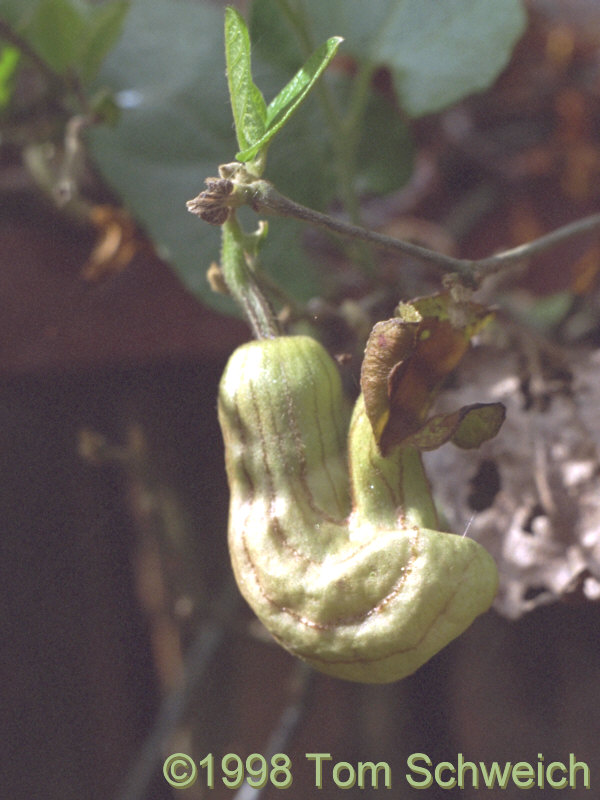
<point x="210" y="205"/>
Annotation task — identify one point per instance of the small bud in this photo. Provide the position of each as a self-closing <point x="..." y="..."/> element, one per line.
<point x="211" y="205"/>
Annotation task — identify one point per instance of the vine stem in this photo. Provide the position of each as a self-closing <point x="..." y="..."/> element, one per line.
<point x="241" y="280"/>
<point x="266" y="199"/>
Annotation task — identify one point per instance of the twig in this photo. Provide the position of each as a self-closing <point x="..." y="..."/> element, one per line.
<point x="546" y="242"/>
<point x="266" y="199"/>
<point x="241" y="280"/>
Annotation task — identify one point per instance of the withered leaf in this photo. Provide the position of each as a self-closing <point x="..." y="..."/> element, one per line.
<point x="480" y="422"/>
<point x="389" y="344"/>
<point x="468" y="427"/>
<point x="406" y="361"/>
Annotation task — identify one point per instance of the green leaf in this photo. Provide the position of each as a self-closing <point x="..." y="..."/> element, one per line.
<point x="437" y="51"/>
<point x="17" y="12"/>
<point x="296" y="90"/>
<point x="55" y="31"/>
<point x="9" y="59"/>
<point x="103" y="28"/>
<point x="440" y="52"/>
<point x="385" y="151"/>
<point x="281" y="108"/>
<point x="247" y="103"/>
<point x="68" y="34"/>
<point x="174" y="128"/>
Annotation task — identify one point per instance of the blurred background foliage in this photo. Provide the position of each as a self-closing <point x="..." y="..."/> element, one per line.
<point x="122" y="638"/>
